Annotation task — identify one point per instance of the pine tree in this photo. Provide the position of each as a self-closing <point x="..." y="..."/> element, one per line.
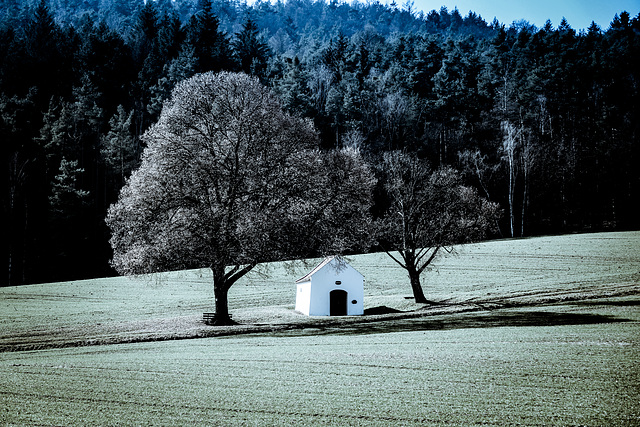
<point x="292" y="88"/>
<point x="250" y="50"/>
<point x="210" y="45"/>
<point x="118" y="148"/>
<point x="46" y="63"/>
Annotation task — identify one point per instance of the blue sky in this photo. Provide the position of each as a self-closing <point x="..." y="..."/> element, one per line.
<point x="579" y="13"/>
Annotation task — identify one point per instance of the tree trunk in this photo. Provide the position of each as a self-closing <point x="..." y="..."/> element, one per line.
<point x="414" y="276"/>
<point x="222" y="281"/>
<point x="220" y="293"/>
<point x="222" y="305"/>
<point x="509" y="147"/>
<point x="524" y="201"/>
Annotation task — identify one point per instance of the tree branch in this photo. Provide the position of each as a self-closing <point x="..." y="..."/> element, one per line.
<point x="431" y="258"/>
<point x="237" y="272"/>
<point x="395" y="259"/>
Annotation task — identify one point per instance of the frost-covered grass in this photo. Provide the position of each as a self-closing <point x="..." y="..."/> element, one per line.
<point x="559" y="345"/>
<point x="490" y="370"/>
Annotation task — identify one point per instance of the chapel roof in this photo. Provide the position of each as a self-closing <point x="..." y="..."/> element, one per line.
<point x="324" y="262"/>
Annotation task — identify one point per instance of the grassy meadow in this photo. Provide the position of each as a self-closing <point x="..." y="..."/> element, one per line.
<point x="540" y="331"/>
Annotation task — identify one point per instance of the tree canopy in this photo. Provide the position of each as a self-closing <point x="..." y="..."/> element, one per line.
<point x="228" y="180"/>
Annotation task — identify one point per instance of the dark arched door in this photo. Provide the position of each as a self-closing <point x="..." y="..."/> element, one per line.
<point x="338" y="303"/>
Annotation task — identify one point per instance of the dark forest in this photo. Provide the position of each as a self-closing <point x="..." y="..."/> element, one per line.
<point x="544" y="121"/>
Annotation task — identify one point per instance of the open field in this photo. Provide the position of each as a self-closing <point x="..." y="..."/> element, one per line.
<point x="500" y="369"/>
<point x="167" y="306"/>
<point x="541" y="331"/>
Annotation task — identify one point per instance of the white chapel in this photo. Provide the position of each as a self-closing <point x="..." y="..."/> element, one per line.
<point x="332" y="288"/>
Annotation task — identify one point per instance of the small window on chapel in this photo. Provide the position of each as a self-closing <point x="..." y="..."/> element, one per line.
<point x="338" y="282"/>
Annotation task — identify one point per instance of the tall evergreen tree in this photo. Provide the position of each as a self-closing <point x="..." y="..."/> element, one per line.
<point x="118" y="148"/>
<point x="250" y="50"/>
<point x="211" y="47"/>
<point x="23" y="201"/>
<point x="46" y="63"/>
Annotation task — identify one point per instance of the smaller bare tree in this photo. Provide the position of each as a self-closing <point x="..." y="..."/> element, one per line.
<point x="429" y="212"/>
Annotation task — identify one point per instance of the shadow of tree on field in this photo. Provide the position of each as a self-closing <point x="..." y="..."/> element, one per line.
<point x="625" y="303"/>
<point x="468" y="320"/>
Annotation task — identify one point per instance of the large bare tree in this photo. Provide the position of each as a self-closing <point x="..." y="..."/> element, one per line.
<point x="229" y="180"/>
<point x="429" y="211"/>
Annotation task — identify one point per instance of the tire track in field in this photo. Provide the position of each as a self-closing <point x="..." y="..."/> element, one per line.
<point x="219" y="408"/>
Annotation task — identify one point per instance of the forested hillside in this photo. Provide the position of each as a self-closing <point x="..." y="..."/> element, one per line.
<point x="544" y="121"/>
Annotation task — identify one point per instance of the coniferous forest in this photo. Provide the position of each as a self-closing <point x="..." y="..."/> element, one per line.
<point x="544" y="121"/>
